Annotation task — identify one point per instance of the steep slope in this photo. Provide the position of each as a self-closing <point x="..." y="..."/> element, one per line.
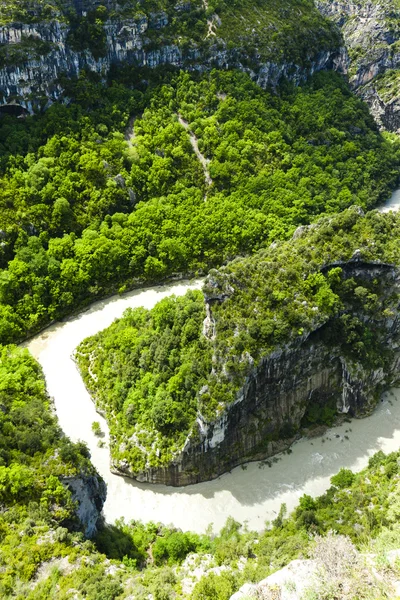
<point x="40" y="41"/>
<point x="153" y="561"/>
<point x="47" y="484"/>
<point x="83" y="214"/>
<point x="290" y="337"/>
<point x="371" y="33"/>
<point x="336" y="570"/>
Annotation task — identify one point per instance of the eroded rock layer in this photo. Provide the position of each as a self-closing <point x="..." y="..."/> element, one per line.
<point x="371" y="35"/>
<point x="269" y="42"/>
<point x="270" y="407"/>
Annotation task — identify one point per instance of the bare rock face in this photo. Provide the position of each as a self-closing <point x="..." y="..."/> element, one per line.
<point x="268" y="410"/>
<point x="34" y="80"/>
<point x="371" y="36"/>
<point x="385" y="109"/>
<point x="90" y="494"/>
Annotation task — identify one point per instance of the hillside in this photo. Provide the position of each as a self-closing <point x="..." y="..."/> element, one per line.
<point x="44" y="554"/>
<point x="40" y="41"/>
<point x="284" y="339"/>
<point x="85" y="214"/>
<point x="249" y="143"/>
<point x="42" y="559"/>
<point x="371" y="34"/>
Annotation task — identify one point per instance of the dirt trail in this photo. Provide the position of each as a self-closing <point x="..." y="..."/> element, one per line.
<point x="193" y="140"/>
<point x="210" y="22"/>
<point x="130" y="130"/>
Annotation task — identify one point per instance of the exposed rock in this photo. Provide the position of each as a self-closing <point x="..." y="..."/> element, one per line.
<point x="371" y="50"/>
<point x="120" y="181"/>
<point x="289" y="583"/>
<point x="132" y="197"/>
<point x="196" y="566"/>
<point x="34" y="81"/>
<point x="62" y="565"/>
<point x="90" y="492"/>
<point x="268" y="409"/>
<point x="385" y="112"/>
<point x="372" y="44"/>
<point x="336" y="565"/>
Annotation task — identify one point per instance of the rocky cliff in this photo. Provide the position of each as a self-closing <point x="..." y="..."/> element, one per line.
<point x="270" y="408"/>
<point x="89" y="492"/>
<point x="43" y="42"/>
<point x="279" y="341"/>
<point x="371" y="34"/>
<point x="269" y="42"/>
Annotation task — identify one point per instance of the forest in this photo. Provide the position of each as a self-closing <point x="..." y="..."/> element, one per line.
<point x="85" y="213"/>
<point x="153" y="372"/>
<point x="44" y="555"/>
<point x="103" y="192"/>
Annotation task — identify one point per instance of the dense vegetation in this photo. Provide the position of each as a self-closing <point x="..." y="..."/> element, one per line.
<point x="363" y="506"/>
<point x="89" y="207"/>
<point x="388" y="85"/>
<point x="44" y="556"/>
<point x="132" y="560"/>
<point x="35" y="459"/>
<point x="148" y="374"/>
<point x="152" y="372"/>
<point x="84" y="213"/>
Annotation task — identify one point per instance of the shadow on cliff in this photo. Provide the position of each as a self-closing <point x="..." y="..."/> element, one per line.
<point x="310" y="465"/>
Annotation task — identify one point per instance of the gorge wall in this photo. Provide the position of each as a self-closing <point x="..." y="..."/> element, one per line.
<point x="89" y="492"/>
<point x="371" y="34"/>
<point x="36" y="51"/>
<point x="37" y="48"/>
<point x="269" y="409"/>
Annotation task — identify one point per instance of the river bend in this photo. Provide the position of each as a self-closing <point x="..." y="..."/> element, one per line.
<point x="252" y="493"/>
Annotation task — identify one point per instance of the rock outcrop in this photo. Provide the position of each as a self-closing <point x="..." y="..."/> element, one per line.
<point x="90" y="494"/>
<point x="289" y="583"/>
<point x="371" y="35"/>
<point x="36" y="54"/>
<point x="269" y="408"/>
<point x="336" y="566"/>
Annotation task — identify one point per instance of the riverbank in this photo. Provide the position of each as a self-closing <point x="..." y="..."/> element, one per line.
<point x="252" y="493"/>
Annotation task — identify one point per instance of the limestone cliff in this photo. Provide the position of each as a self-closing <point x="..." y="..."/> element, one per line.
<point x="372" y="38"/>
<point x="36" y="47"/>
<point x="44" y="42"/>
<point x="89" y="492"/>
<point x="269" y="408"/>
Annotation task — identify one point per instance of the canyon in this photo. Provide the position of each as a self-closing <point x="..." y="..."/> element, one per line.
<point x="252" y="492"/>
<point x="268" y="410"/>
<point x="38" y="54"/>
<point x="35" y="55"/>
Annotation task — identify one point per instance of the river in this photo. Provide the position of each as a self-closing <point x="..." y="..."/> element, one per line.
<point x="252" y="493"/>
<point x="393" y="203"/>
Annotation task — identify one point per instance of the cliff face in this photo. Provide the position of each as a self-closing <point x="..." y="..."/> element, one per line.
<point x="270" y="406"/>
<point x="90" y="494"/>
<point x="371" y="34"/>
<point x="33" y="55"/>
<point x="36" y="78"/>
